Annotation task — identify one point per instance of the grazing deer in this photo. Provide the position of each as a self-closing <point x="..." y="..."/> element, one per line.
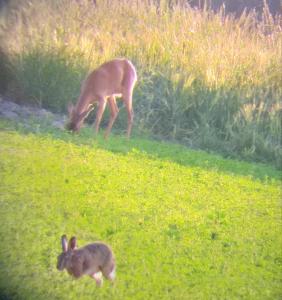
<point x="112" y="79"/>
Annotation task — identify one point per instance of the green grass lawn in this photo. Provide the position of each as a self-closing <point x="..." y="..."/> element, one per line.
<point x="183" y="224"/>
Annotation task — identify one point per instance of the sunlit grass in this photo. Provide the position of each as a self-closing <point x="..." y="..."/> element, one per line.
<point x="183" y="224"/>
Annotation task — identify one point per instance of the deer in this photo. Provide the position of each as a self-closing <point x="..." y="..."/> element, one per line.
<point x="115" y="78"/>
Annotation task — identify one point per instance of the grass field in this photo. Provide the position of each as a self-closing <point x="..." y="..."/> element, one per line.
<point x="183" y="224"/>
<point x="205" y="79"/>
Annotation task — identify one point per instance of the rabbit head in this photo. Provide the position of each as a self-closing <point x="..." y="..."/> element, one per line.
<point x="91" y="260"/>
<point x="65" y="257"/>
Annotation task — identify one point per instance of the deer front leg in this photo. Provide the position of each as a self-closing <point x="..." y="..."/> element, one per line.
<point x="114" y="112"/>
<point x="101" y="109"/>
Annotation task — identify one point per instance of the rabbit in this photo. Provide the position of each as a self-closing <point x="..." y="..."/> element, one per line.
<point x="89" y="260"/>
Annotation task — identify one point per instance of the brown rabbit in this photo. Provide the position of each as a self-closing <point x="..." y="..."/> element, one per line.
<point x="89" y="260"/>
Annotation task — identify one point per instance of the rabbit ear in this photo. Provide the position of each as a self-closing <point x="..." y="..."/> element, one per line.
<point x="72" y="243"/>
<point x="64" y="243"/>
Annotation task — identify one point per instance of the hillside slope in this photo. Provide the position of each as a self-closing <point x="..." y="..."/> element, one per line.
<point x="183" y="224"/>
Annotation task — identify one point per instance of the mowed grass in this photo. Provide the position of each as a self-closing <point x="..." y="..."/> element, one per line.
<point x="181" y="227"/>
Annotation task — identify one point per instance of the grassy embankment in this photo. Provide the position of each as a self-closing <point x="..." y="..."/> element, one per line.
<point x="206" y="80"/>
<point x="183" y="224"/>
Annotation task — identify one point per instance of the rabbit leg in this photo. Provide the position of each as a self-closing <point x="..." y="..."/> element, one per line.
<point x="112" y="275"/>
<point x="109" y="272"/>
<point x="98" y="278"/>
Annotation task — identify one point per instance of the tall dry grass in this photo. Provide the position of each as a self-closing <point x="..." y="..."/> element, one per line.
<point x="205" y="79"/>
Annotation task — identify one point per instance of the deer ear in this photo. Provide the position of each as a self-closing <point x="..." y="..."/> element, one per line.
<point x="72" y="243"/>
<point x="64" y="243"/>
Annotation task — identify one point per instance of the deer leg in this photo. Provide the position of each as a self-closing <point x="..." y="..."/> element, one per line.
<point x="114" y="112"/>
<point x="89" y="109"/>
<point x="130" y="113"/>
<point x="101" y="109"/>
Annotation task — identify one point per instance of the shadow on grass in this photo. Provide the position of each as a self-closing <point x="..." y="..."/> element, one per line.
<point x="154" y="149"/>
<point x="5" y="296"/>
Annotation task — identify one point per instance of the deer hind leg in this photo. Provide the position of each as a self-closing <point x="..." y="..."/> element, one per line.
<point x="130" y="114"/>
<point x="101" y="108"/>
<point x="128" y="86"/>
<point x="114" y="112"/>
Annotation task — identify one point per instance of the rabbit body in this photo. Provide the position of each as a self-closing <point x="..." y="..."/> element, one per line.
<point x="88" y="260"/>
